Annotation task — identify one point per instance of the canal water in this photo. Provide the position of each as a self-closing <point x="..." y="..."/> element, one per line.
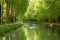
<point x="34" y="31"/>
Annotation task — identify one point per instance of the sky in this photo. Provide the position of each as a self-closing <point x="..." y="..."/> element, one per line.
<point x="29" y="0"/>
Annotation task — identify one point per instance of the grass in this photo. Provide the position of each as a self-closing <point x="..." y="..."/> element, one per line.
<point x="9" y="27"/>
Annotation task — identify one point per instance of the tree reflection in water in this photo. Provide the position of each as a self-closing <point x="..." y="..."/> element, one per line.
<point x="34" y="32"/>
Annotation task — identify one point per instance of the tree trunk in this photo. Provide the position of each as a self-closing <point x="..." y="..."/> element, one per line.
<point x="7" y="12"/>
<point x="1" y="14"/>
<point x="13" y="15"/>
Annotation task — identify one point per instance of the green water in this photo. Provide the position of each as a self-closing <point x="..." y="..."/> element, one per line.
<point x="41" y="32"/>
<point x="31" y="31"/>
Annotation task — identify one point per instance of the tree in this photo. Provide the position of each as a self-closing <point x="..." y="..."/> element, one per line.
<point x="20" y="6"/>
<point x="17" y="8"/>
<point x="45" y="9"/>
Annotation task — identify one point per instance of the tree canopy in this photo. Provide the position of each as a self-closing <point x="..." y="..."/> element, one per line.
<point x="20" y="6"/>
<point x="44" y="9"/>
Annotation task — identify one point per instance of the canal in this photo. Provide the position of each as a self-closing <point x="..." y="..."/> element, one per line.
<point x="34" y="31"/>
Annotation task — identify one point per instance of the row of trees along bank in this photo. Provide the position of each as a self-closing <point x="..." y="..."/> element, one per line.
<point x="12" y="10"/>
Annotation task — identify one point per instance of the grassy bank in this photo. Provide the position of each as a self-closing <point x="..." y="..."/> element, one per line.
<point x="9" y="27"/>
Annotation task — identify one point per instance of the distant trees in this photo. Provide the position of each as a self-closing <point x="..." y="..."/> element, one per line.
<point x="44" y="10"/>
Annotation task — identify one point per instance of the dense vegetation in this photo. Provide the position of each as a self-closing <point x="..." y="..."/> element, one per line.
<point x="44" y="10"/>
<point x="10" y="12"/>
<point x="35" y="10"/>
<point x="9" y="27"/>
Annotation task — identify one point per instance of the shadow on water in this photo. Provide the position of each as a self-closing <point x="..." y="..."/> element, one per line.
<point x="34" y="31"/>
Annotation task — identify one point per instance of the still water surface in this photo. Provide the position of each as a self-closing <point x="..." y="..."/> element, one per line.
<point x="34" y="31"/>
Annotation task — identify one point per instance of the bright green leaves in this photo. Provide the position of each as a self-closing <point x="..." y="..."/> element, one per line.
<point x="20" y="6"/>
<point x="44" y="9"/>
<point x="37" y="9"/>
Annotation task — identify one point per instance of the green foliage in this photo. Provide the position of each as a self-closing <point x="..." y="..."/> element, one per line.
<point x="20" y="6"/>
<point x="30" y="11"/>
<point x="43" y="9"/>
<point x="9" y="27"/>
